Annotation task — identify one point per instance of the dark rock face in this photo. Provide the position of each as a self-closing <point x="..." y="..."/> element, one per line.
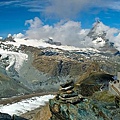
<point x="4" y="116"/>
<point x="10" y="38"/>
<point x="117" y="53"/>
<point x="18" y="118"/>
<point x="84" y="110"/>
<point x="95" y="82"/>
<point x="50" y="41"/>
<point x="87" y="109"/>
<point x="67" y="84"/>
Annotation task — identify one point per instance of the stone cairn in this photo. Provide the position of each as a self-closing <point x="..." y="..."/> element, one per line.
<point x="67" y="93"/>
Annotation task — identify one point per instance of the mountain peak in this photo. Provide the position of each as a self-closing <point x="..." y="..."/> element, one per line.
<point x="98" y="37"/>
<point x="98" y="30"/>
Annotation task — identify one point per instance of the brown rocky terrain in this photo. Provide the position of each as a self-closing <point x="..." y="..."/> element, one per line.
<point x="42" y="113"/>
<point x="57" y="62"/>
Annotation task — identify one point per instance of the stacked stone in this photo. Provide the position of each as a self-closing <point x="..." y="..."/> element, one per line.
<point x="67" y="93"/>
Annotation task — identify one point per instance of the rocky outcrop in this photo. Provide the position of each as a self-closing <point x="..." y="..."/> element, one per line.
<point x="86" y="108"/>
<point x="50" y="41"/>
<point x="4" y="116"/>
<point x="10" y="38"/>
<point x="96" y="81"/>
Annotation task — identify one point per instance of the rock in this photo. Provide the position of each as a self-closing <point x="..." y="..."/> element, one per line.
<point x="69" y="83"/>
<point x="74" y="106"/>
<point x="18" y="118"/>
<point x="84" y="110"/>
<point x="69" y="95"/>
<point x="48" y="53"/>
<point x="10" y="38"/>
<point x="66" y="89"/>
<point x="50" y="41"/>
<point x="5" y="116"/>
<point x="93" y="83"/>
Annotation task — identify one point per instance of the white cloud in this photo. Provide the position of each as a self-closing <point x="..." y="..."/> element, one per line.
<point x="9" y="2"/>
<point x="36" y="23"/>
<point x="1" y="38"/>
<point x="68" y="8"/>
<point x="19" y="35"/>
<point x="9" y="35"/>
<point x="72" y="8"/>
<point x="63" y="8"/>
<point x="67" y="32"/>
<point x="113" y="4"/>
<point x="117" y="41"/>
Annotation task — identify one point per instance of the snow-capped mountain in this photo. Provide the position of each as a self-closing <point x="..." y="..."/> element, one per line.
<point x="98" y="36"/>
<point x="98" y="31"/>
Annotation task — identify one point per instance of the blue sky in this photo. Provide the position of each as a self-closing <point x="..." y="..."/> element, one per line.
<point x="14" y="13"/>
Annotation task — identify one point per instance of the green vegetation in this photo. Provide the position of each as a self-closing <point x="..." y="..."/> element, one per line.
<point x="104" y="96"/>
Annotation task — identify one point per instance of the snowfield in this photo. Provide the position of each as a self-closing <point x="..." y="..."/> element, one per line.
<point x="15" y="59"/>
<point x="25" y="105"/>
<point x="42" y="44"/>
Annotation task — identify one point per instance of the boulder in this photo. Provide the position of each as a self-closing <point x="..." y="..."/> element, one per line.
<point x="5" y="116"/>
<point x="67" y="84"/>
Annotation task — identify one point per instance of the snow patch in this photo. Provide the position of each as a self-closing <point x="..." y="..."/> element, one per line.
<point x="99" y="42"/>
<point x="15" y="59"/>
<point x="42" y="44"/>
<point x="25" y="105"/>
